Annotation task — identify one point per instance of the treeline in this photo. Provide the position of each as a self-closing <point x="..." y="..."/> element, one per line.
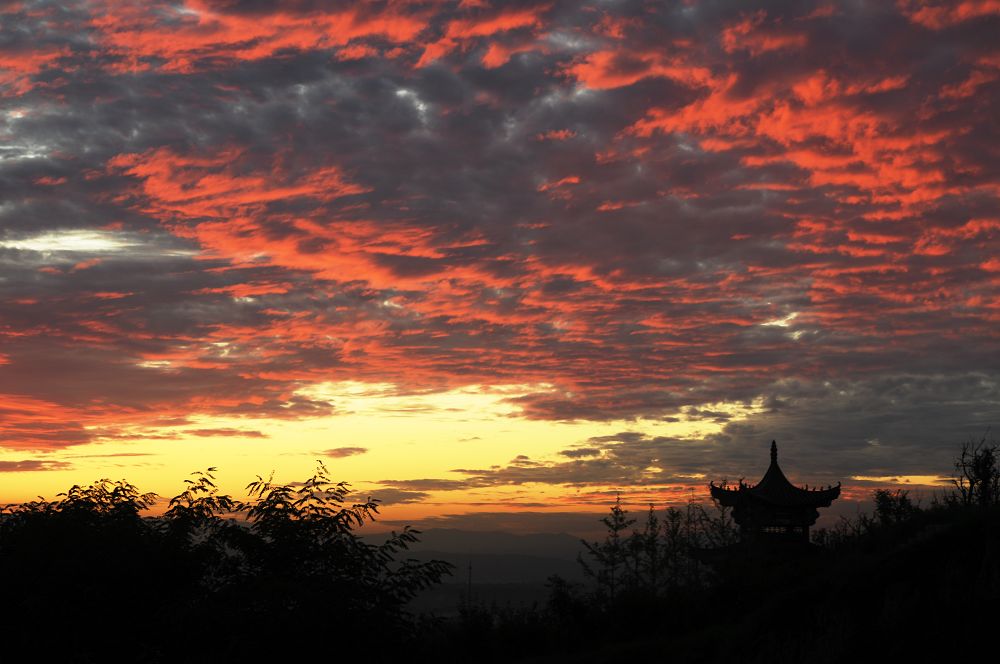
<point x="659" y="559"/>
<point x="646" y="576"/>
<point x="907" y="580"/>
<point x="975" y="485"/>
<point x="88" y="578"/>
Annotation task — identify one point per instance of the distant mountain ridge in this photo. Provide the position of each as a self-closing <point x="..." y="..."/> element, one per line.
<point x="495" y="543"/>
<point x="521" y="562"/>
<point x="503" y="567"/>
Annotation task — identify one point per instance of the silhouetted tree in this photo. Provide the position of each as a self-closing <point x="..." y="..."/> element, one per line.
<point x="716" y="527"/>
<point x="661" y="558"/>
<point x="564" y="601"/>
<point x="893" y="507"/>
<point x="304" y="554"/>
<point x="608" y="557"/>
<point x="217" y="578"/>
<point x="977" y="475"/>
<point x="676" y="545"/>
<point x="648" y="571"/>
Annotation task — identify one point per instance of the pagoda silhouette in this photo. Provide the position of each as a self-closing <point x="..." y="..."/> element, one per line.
<point x="774" y="513"/>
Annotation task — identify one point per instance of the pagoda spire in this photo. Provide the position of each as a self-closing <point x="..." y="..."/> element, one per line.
<point x="774" y="510"/>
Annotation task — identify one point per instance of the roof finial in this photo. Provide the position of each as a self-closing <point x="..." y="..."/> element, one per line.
<point x="774" y="452"/>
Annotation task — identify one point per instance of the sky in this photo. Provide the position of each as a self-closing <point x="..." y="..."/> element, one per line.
<point x="495" y="262"/>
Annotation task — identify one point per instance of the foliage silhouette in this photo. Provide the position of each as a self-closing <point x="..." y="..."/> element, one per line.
<point x="977" y="474"/>
<point x="609" y="557"/>
<point x="213" y="579"/>
<point x="659" y="561"/>
<point x="893" y="507"/>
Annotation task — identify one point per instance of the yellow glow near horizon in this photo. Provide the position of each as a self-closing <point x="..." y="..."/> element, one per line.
<point x="923" y="480"/>
<point x="404" y="435"/>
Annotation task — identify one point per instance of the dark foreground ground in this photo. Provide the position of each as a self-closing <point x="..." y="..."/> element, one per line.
<point x="924" y="590"/>
<point x="87" y="578"/>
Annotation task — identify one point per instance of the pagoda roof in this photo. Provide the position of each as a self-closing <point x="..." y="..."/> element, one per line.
<point x="775" y="489"/>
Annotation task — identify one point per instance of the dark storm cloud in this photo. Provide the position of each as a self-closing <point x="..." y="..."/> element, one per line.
<point x="655" y="208"/>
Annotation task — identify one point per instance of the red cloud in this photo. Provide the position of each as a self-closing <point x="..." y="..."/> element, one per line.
<point x="459" y="31"/>
<point x="17" y="66"/>
<point x="602" y="70"/>
<point x="753" y="36"/>
<point x="199" y="35"/>
<point x="938" y="16"/>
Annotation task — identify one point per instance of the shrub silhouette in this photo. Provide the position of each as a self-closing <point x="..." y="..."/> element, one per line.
<point x="302" y="553"/>
<point x="212" y="579"/>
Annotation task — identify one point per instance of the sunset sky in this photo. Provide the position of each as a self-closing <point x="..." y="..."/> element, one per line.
<point x="493" y="263"/>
